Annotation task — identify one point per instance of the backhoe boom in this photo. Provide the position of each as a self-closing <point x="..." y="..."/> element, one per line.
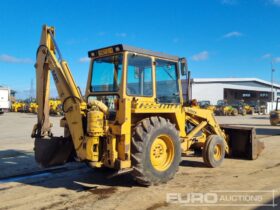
<point x="68" y="92"/>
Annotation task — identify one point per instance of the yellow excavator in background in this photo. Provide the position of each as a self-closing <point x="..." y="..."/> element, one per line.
<point x="132" y="117"/>
<point x="18" y="106"/>
<point x="55" y="107"/>
<point x="224" y="109"/>
<point x="33" y="107"/>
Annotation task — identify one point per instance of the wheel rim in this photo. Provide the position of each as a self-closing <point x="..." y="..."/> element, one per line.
<point x="162" y="152"/>
<point x="217" y="152"/>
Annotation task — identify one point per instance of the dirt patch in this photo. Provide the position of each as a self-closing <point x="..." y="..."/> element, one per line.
<point x="103" y="193"/>
<point x="276" y="165"/>
<point x="52" y="205"/>
<point x="157" y="205"/>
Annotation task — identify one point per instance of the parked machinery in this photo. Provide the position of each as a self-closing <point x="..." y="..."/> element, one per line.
<point x="224" y="109"/>
<point x="258" y="106"/>
<point x="33" y="107"/>
<point x="19" y="106"/>
<point x="132" y="118"/>
<point x="207" y="105"/>
<point x="55" y="107"/>
<point x="274" y="116"/>
<point x="243" y="108"/>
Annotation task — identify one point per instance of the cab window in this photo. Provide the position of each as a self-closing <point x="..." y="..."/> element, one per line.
<point x="139" y="76"/>
<point x="167" y="82"/>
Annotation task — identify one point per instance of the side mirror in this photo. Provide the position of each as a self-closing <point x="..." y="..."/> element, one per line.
<point x="183" y="66"/>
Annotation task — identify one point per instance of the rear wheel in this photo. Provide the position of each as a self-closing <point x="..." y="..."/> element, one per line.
<point x="252" y="111"/>
<point x="214" y="151"/>
<point x="155" y="151"/>
<point x="234" y="112"/>
<point x="273" y="123"/>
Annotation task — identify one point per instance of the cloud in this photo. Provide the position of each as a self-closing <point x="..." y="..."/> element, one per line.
<point x="270" y="56"/>
<point x="276" y="60"/>
<point x="229" y="2"/>
<point x="275" y="2"/>
<point x="233" y="34"/>
<point x="204" y="55"/>
<point x="266" y="56"/>
<point x="84" y="59"/>
<point x="121" y="34"/>
<point x="11" y="59"/>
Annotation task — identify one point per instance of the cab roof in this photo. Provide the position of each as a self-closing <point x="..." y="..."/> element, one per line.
<point x="121" y="48"/>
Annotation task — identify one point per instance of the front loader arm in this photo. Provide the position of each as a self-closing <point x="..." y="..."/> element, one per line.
<point x="71" y="99"/>
<point x="203" y="117"/>
<point x="240" y="142"/>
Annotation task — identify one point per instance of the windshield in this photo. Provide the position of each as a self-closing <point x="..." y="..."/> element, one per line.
<point x="221" y="103"/>
<point x="106" y="73"/>
<point x="204" y="103"/>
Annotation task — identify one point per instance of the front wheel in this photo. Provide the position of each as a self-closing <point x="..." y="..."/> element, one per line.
<point x="243" y="112"/>
<point x="214" y="151"/>
<point x="155" y="151"/>
<point x="234" y="112"/>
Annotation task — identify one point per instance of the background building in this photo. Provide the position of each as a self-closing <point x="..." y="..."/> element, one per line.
<point x="232" y="89"/>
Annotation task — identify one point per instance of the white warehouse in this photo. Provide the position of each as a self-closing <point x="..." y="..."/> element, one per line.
<point x="232" y="89"/>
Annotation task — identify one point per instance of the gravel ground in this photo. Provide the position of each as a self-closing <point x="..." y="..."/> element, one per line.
<point x="75" y="186"/>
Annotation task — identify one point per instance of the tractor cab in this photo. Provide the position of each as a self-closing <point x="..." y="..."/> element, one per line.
<point x="125" y="72"/>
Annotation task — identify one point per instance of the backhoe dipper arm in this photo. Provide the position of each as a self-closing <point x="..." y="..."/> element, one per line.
<point x="68" y="92"/>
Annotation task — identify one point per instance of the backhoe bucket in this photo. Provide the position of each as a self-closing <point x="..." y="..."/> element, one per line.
<point x="242" y="142"/>
<point x="53" y="151"/>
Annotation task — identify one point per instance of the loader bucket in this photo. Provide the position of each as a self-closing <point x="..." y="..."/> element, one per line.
<point x="53" y="151"/>
<point x="242" y="142"/>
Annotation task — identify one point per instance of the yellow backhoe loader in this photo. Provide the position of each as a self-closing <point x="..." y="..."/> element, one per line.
<point x="132" y="118"/>
<point x="19" y="107"/>
<point x="224" y="109"/>
<point x="55" y="107"/>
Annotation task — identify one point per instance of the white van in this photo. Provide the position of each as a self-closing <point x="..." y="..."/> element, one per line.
<point x="5" y="101"/>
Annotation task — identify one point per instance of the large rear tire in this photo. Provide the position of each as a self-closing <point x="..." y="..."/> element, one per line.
<point x="155" y="151"/>
<point x="273" y="123"/>
<point x="214" y="151"/>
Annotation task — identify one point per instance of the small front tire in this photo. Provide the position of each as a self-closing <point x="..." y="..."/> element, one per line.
<point x="214" y="151"/>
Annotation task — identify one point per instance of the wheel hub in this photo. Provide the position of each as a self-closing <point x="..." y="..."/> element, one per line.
<point x="217" y="152"/>
<point x="162" y="152"/>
